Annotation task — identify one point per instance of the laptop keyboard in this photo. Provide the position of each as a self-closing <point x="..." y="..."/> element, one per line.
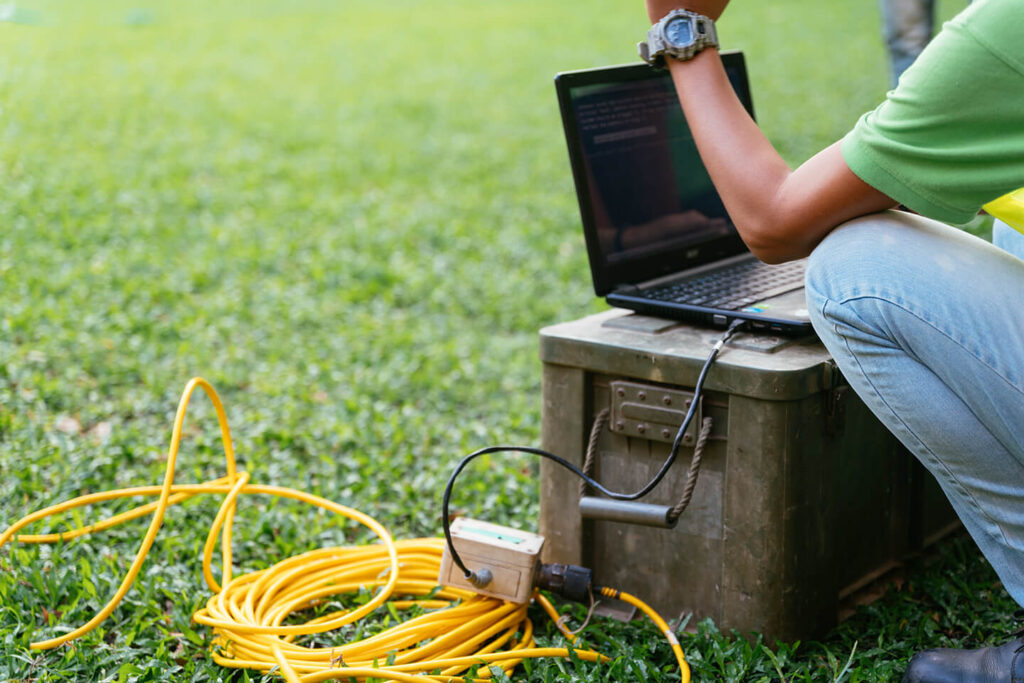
<point x="734" y="287"/>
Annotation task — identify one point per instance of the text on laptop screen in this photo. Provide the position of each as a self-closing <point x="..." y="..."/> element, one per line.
<point x="649" y="188"/>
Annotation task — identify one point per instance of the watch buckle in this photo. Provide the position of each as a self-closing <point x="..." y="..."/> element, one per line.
<point x="645" y="51"/>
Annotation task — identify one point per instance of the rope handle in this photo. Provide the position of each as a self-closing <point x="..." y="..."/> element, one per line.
<point x="601" y="420"/>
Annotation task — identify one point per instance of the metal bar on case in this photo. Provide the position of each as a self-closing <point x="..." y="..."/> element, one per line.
<point x="627" y="512"/>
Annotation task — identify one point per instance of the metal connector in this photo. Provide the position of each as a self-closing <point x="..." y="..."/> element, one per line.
<point x="481" y="577"/>
<point x="570" y="581"/>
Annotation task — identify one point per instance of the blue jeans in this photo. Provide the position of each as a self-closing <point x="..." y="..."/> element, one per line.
<point x="927" y="324"/>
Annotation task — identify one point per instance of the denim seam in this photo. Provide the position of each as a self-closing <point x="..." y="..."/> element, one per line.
<point x="999" y="535"/>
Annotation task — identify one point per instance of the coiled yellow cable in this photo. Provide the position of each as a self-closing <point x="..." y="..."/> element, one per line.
<point x="457" y="632"/>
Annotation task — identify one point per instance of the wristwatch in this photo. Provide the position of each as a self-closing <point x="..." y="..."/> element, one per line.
<point x="681" y="34"/>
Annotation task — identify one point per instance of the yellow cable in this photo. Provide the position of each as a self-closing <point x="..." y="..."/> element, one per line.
<point x="669" y="634"/>
<point x="457" y="630"/>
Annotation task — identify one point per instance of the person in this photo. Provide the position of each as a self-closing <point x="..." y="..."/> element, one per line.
<point x="907" y="26"/>
<point x="925" y="321"/>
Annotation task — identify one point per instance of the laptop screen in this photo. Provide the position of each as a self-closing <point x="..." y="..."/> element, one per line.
<point x="647" y="203"/>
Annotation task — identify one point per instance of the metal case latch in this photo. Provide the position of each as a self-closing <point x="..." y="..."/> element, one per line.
<point x="651" y="412"/>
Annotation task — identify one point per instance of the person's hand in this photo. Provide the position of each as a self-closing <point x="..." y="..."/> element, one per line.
<point x="656" y="9"/>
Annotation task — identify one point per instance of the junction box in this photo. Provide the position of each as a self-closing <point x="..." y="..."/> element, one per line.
<point x="802" y="500"/>
<point x="510" y="556"/>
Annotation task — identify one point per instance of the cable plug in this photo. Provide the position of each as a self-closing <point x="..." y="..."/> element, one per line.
<point x="480" y="578"/>
<point x="570" y="581"/>
<point x="737" y="325"/>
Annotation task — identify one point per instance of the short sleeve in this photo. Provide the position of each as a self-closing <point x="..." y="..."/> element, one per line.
<point x="950" y="136"/>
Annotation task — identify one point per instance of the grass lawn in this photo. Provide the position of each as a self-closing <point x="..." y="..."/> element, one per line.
<point x="352" y="217"/>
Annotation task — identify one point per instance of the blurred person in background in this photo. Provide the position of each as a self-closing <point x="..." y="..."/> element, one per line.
<point x="907" y="26"/>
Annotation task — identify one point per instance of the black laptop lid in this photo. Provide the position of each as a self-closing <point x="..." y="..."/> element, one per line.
<point x="648" y="206"/>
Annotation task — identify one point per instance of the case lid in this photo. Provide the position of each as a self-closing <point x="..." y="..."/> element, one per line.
<point x="619" y="342"/>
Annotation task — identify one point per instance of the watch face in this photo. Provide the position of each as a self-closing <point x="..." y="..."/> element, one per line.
<point x="679" y="31"/>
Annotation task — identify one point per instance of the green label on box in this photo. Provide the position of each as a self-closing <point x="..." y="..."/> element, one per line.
<point x="492" y="534"/>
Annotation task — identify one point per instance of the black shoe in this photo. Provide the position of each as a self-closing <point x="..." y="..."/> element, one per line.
<point x="1003" y="664"/>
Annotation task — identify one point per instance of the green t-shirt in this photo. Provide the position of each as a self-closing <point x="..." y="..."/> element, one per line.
<point x="950" y="137"/>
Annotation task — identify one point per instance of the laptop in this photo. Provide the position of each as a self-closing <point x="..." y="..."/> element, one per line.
<point x="659" y="239"/>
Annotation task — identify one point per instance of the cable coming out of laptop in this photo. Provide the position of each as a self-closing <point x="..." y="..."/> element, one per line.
<point x="479" y="580"/>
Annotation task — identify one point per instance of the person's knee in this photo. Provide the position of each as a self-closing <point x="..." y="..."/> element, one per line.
<point x="844" y="256"/>
<point x="851" y="262"/>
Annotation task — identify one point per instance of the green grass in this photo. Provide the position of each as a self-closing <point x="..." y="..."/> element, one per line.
<point x="352" y="217"/>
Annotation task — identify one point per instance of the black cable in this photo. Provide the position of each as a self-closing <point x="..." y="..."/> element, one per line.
<point x="734" y="327"/>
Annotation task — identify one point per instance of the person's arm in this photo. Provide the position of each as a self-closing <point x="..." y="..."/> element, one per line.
<point x="780" y="213"/>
